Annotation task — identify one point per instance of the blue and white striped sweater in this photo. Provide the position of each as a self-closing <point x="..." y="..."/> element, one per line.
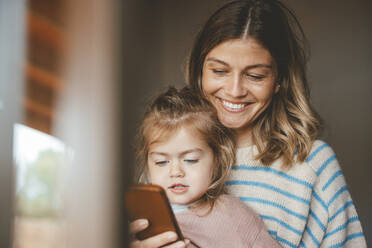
<point x="308" y="205"/>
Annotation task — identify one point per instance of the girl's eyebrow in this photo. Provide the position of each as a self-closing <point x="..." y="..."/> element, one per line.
<point x="182" y="153"/>
<point x="191" y="151"/>
<point x="211" y="59"/>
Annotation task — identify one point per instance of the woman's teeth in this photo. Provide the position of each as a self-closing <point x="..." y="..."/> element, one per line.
<point x="232" y="105"/>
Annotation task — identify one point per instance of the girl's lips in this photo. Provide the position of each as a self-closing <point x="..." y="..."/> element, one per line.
<point x="178" y="188"/>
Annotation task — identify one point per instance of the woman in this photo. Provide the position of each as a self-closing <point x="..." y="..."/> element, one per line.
<point x="249" y="60"/>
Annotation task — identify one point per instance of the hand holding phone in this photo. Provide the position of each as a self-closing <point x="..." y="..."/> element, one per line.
<point x="147" y="201"/>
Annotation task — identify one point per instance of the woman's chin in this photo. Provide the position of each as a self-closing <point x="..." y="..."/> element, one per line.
<point x="233" y="123"/>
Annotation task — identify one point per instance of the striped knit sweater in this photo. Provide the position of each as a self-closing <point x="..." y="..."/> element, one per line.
<point x="308" y="205"/>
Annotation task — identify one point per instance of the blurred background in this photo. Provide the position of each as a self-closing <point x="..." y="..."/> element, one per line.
<point x="74" y="79"/>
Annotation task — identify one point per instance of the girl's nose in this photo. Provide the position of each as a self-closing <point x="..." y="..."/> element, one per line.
<point x="176" y="170"/>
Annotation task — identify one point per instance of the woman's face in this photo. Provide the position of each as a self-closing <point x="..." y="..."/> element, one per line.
<point x="239" y="79"/>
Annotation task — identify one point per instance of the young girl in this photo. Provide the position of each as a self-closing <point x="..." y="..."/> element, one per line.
<point x="184" y="149"/>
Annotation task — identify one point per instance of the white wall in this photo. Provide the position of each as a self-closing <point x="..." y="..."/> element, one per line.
<point x="11" y="91"/>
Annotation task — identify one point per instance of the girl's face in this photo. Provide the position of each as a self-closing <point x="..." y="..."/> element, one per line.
<point x="239" y="79"/>
<point x="182" y="165"/>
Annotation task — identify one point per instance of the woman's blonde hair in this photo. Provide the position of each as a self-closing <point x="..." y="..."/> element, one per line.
<point x="172" y="110"/>
<point x="289" y="126"/>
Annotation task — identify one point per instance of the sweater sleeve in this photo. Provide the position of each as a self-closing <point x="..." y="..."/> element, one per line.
<point x="231" y="223"/>
<point x="333" y="220"/>
<point x="264" y="240"/>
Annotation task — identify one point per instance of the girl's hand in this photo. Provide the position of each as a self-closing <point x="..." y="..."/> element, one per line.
<point x="156" y="241"/>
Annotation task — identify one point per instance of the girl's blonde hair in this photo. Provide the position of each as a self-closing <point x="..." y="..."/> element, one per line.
<point x="289" y="126"/>
<point x="172" y="110"/>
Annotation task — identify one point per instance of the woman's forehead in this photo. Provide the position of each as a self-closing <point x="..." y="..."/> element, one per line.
<point x="243" y="51"/>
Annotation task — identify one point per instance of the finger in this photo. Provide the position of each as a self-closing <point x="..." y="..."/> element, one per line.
<point x="160" y="240"/>
<point x="178" y="244"/>
<point x="138" y="225"/>
<point x="135" y="244"/>
<point x="187" y="242"/>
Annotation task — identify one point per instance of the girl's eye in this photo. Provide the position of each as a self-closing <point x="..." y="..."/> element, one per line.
<point x="191" y="161"/>
<point x="160" y="163"/>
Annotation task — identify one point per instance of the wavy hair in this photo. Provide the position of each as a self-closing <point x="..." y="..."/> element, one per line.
<point x="172" y="110"/>
<point x="289" y="126"/>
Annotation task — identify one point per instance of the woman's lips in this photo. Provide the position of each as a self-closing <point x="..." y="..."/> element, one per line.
<point x="178" y="188"/>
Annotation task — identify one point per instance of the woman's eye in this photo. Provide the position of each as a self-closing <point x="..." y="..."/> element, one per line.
<point x="255" y="77"/>
<point x="219" y="71"/>
<point x="160" y="163"/>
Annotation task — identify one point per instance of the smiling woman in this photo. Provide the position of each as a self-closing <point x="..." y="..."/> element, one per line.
<point x="239" y="79"/>
<point x="249" y="61"/>
<point x="262" y="49"/>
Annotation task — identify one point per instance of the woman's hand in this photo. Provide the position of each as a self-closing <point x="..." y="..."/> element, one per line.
<point x="155" y="241"/>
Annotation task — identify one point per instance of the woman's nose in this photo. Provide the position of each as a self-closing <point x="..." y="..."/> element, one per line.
<point x="176" y="170"/>
<point x="235" y="86"/>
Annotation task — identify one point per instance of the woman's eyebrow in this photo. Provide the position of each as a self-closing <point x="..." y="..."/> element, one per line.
<point x="217" y="61"/>
<point x="211" y="59"/>
<point x="258" y="66"/>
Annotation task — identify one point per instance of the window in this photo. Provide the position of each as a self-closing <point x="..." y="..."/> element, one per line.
<point x="39" y="159"/>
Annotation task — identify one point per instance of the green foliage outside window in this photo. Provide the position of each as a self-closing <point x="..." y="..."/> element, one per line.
<point x="39" y="196"/>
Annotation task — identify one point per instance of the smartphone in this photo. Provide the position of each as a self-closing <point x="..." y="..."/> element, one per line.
<point x="149" y="201"/>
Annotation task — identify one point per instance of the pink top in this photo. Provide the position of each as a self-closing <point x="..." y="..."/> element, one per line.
<point x="231" y="223"/>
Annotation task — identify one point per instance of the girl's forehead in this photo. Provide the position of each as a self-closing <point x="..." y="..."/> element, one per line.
<point x="161" y="135"/>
